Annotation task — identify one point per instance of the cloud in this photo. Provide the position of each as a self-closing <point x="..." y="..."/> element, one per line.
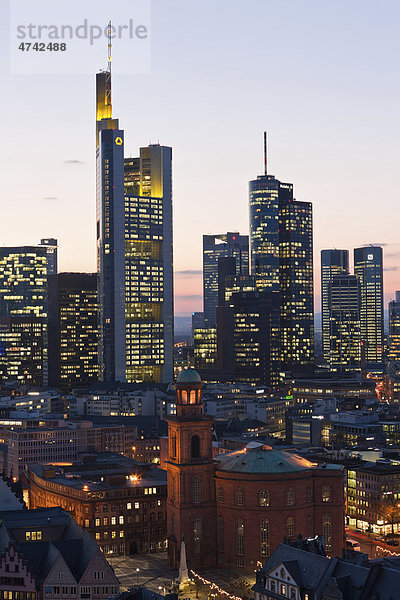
<point x="50" y="198"/>
<point x="74" y="161"/>
<point x="189" y="273"/>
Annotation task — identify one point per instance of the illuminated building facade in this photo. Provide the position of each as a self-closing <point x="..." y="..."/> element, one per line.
<point x="344" y="323"/>
<point x="73" y="321"/>
<point x="368" y="267"/>
<point x="134" y="250"/>
<point x="296" y="287"/>
<point x="22" y="351"/>
<point x="266" y="196"/>
<point x="281" y="241"/>
<point x="24" y="311"/>
<point x="394" y="329"/>
<point x="120" y="503"/>
<point x="216" y="247"/>
<point x="256" y="341"/>
<point x="205" y="347"/>
<point x="333" y="262"/>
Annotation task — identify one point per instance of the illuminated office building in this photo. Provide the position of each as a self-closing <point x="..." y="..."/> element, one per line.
<point x="394" y="329"/>
<point x="23" y="355"/>
<point x="256" y="343"/>
<point x="333" y="262"/>
<point x="368" y="267"/>
<point x="205" y="348"/>
<point x="73" y="329"/>
<point x="267" y="195"/>
<point x="134" y="251"/>
<point x="344" y="323"/>
<point x="216" y="247"/>
<point x="281" y="241"/>
<point x="23" y="310"/>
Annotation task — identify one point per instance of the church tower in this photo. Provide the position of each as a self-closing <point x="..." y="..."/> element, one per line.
<point x="191" y="505"/>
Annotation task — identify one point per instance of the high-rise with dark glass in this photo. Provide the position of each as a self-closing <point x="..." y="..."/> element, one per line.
<point x="73" y="329"/>
<point x="344" y="323"/>
<point x="368" y="267"/>
<point x="333" y="262"/>
<point x="216" y="247"/>
<point x="134" y="253"/>
<point x="281" y="241"/>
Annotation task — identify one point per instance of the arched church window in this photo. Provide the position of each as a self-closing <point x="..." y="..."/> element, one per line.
<point x="195" y="447"/>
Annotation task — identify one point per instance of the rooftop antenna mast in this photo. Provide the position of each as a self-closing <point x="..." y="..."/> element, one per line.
<point x="109" y="32"/>
<point x="108" y="72"/>
<point x="265" y="153"/>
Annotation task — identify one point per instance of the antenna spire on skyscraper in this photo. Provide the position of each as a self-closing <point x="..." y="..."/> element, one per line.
<point x="265" y="153"/>
<point x="109" y="45"/>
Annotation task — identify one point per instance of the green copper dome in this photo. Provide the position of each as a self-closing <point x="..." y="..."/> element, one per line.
<point x="257" y="458"/>
<point x="188" y="375"/>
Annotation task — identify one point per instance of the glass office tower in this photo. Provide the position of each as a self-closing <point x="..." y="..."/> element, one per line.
<point x="266" y="197"/>
<point x="333" y="262"/>
<point x="344" y="323"/>
<point x="368" y="267"/>
<point x="134" y="253"/>
<point x="216" y="247"/>
<point x="296" y="287"/>
<point x="281" y="242"/>
<point x="24" y="313"/>
<point x="78" y="329"/>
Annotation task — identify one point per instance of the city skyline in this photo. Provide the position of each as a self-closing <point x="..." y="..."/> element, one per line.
<point x="330" y="166"/>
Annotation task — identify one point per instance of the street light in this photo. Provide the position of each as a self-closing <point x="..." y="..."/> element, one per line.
<point x="137" y="576"/>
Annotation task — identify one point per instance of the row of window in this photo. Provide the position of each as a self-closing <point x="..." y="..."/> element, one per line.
<point x="264" y="496"/>
<point x="264" y="533"/>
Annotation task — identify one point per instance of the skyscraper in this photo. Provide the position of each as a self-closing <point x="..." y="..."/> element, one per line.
<point x="296" y="287"/>
<point x="368" y="267"/>
<point x="333" y="262"/>
<point x="256" y="339"/>
<point x="394" y="329"/>
<point x="281" y="241"/>
<point x="24" y="313"/>
<point x="344" y="323"/>
<point x="73" y="329"/>
<point x="216" y="247"/>
<point x="134" y="253"/>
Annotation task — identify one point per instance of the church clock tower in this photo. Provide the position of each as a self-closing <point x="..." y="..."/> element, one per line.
<point x="191" y="506"/>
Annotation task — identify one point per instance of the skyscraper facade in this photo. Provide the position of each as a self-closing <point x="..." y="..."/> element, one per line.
<point x="134" y="253"/>
<point x="281" y="241"/>
<point x="73" y="314"/>
<point x="344" y="323"/>
<point x="394" y="329"/>
<point x="333" y="262"/>
<point x="24" y="313"/>
<point x="256" y="337"/>
<point x="266" y="196"/>
<point x="296" y="287"/>
<point x="217" y="247"/>
<point x="368" y="268"/>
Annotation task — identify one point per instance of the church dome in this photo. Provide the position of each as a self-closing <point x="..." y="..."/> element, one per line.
<point x="188" y="375"/>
